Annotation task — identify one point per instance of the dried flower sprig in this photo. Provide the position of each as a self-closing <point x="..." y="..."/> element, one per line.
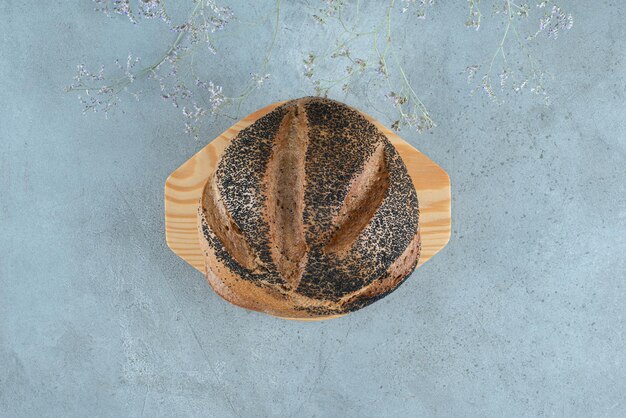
<point x="381" y="63"/>
<point x="147" y="9"/>
<point x="554" y="22"/>
<point x="528" y="75"/>
<point x="330" y="9"/>
<point x="473" y="20"/>
<point x="419" y="6"/>
<point x="197" y="98"/>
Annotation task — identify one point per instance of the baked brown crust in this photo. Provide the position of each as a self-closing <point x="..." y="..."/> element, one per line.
<point x="310" y="214"/>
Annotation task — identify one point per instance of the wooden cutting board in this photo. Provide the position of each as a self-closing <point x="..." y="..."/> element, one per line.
<point x="183" y="189"/>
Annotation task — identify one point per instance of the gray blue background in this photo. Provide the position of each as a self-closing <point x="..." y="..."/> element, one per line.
<point x="522" y="314"/>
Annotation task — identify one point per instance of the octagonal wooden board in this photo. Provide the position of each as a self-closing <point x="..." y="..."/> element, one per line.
<point x="183" y="189"/>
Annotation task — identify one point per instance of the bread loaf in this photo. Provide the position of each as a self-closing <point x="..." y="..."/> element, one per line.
<point x="310" y="214"/>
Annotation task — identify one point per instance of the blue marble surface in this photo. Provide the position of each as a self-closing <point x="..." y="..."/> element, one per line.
<point x="522" y="314"/>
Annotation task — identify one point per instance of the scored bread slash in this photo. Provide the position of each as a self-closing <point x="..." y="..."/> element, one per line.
<point x="284" y="184"/>
<point x="311" y="214"/>
<point x="367" y="191"/>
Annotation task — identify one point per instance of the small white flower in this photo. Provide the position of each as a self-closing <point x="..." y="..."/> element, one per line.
<point x="259" y="79"/>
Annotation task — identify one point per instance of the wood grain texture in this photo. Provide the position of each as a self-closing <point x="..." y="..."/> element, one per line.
<point x="183" y="190"/>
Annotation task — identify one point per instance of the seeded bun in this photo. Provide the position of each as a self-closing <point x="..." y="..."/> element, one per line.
<point x="310" y="214"/>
